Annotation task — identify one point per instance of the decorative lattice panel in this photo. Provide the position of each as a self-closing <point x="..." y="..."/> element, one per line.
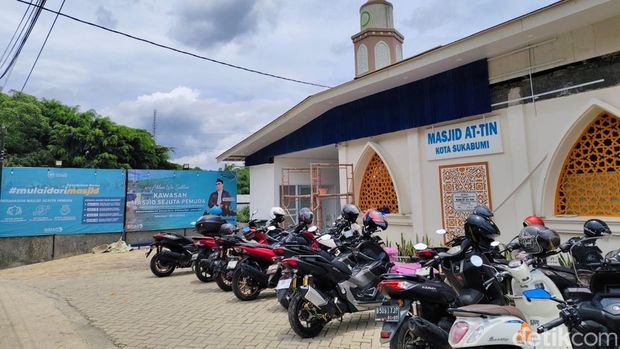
<point x="377" y="190"/>
<point x="463" y="187"/>
<point x="589" y="184"/>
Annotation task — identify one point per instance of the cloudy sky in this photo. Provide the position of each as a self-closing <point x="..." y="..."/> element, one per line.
<point x="204" y="108"/>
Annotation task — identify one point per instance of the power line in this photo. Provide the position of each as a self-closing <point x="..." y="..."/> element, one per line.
<point x="176" y="49"/>
<point x="25" y="37"/>
<point x="8" y="54"/>
<point x="14" y="33"/>
<point x="42" y="47"/>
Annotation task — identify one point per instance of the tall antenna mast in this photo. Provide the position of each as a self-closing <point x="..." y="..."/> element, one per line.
<point x="155" y="125"/>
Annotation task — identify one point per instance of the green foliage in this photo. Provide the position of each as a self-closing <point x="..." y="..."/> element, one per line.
<point x="243" y="215"/>
<point x="566" y="260"/>
<point x="243" y="177"/>
<point x="39" y="132"/>
<point x="406" y="247"/>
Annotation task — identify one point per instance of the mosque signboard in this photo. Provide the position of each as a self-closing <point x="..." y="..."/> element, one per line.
<point x="475" y="137"/>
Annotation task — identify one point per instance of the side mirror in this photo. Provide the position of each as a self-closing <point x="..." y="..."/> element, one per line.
<point x="440" y="232"/>
<point x="537" y="293"/>
<point x="420" y="246"/>
<point x="476" y="261"/>
<point x="495" y="243"/>
<point x="271" y="228"/>
<point x="312" y="229"/>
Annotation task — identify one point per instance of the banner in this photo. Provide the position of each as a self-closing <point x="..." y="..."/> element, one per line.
<point x="162" y="199"/>
<point x="47" y="201"/>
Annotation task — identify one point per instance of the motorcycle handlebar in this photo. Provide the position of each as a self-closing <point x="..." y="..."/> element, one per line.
<point x="550" y="325"/>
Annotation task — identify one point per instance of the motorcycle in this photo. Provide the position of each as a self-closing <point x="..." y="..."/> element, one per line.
<point x="178" y="251"/>
<point x="258" y="269"/>
<point x="345" y="284"/>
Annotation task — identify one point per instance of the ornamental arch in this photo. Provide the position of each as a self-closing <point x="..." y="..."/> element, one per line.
<point x="376" y="188"/>
<point x="589" y="181"/>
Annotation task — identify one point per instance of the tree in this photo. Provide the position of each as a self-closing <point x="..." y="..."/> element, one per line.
<point x="243" y="177"/>
<point x="42" y="131"/>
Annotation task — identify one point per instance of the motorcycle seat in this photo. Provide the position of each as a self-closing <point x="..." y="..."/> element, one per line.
<point x="475" y="310"/>
<point x="341" y="266"/>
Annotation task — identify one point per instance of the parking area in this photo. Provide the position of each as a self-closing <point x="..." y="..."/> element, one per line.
<point x="113" y="300"/>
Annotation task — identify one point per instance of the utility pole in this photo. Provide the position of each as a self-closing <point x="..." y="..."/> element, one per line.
<point x="155" y="125"/>
<point x="2" y="131"/>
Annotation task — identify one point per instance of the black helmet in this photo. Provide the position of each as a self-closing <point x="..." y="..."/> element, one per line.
<point x="480" y="228"/>
<point x="595" y="227"/>
<point x="350" y="213"/>
<point x="536" y="239"/>
<point x="374" y="219"/>
<point x="305" y="216"/>
<point x="227" y="229"/>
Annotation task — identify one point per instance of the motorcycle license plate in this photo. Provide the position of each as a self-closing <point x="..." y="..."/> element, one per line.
<point x="272" y="269"/>
<point x="284" y="284"/>
<point x="423" y="271"/>
<point x="232" y="265"/>
<point x="387" y="313"/>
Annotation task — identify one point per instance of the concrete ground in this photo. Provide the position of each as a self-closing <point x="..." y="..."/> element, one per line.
<point x="114" y="301"/>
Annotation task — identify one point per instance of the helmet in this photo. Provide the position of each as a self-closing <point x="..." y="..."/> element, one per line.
<point x="533" y="220"/>
<point x="305" y="216"/>
<point x="227" y="229"/>
<point x="215" y="210"/>
<point x="350" y="213"/>
<point x="483" y="211"/>
<point x="595" y="227"/>
<point x="374" y="219"/>
<point x="278" y="214"/>
<point x="480" y="228"/>
<point x="536" y="239"/>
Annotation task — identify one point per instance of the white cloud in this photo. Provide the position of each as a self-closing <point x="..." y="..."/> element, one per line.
<point x="198" y="128"/>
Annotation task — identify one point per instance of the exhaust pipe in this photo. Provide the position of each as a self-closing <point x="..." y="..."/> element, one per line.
<point x="433" y="334"/>
<point x="256" y="274"/>
<point x="173" y="257"/>
<point x="315" y="297"/>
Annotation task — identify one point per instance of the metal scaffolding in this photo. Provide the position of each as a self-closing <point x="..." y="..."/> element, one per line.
<point x="291" y="196"/>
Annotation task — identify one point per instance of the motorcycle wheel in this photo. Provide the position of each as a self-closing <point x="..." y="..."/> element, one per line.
<point x="244" y="287"/>
<point x="161" y="268"/>
<point x="298" y="317"/>
<point x="222" y="282"/>
<point x="405" y="338"/>
<point x="284" y="297"/>
<point x="203" y="272"/>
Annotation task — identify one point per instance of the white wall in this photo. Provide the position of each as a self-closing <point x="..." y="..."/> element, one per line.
<point x="536" y="139"/>
<point x="262" y="189"/>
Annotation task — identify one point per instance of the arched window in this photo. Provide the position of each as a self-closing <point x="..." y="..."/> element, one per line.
<point x="377" y="190"/>
<point x="382" y="55"/>
<point x="589" y="183"/>
<point x="362" y="59"/>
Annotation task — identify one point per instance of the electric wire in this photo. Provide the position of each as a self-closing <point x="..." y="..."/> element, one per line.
<point x="176" y="49"/>
<point x="24" y="38"/>
<point x="42" y="46"/>
<point x="15" y="32"/>
<point x="19" y="37"/>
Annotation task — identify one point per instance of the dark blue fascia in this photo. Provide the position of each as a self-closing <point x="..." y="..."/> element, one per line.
<point x="453" y="94"/>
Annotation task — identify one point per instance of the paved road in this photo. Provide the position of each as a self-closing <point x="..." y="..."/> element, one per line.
<point x="113" y="301"/>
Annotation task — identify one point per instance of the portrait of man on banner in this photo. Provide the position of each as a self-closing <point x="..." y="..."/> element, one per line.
<point x="221" y="198"/>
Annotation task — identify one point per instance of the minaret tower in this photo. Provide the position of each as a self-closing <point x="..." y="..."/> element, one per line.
<point x="378" y="44"/>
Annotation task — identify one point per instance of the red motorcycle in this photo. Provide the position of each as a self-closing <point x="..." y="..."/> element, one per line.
<point x="259" y="262"/>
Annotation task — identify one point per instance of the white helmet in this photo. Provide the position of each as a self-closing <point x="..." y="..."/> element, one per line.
<point x="277" y="212"/>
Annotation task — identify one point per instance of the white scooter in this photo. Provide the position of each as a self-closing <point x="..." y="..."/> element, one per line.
<point x="485" y="325"/>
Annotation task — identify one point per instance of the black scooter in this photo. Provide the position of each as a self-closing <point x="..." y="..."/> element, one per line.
<point x="178" y="251"/>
